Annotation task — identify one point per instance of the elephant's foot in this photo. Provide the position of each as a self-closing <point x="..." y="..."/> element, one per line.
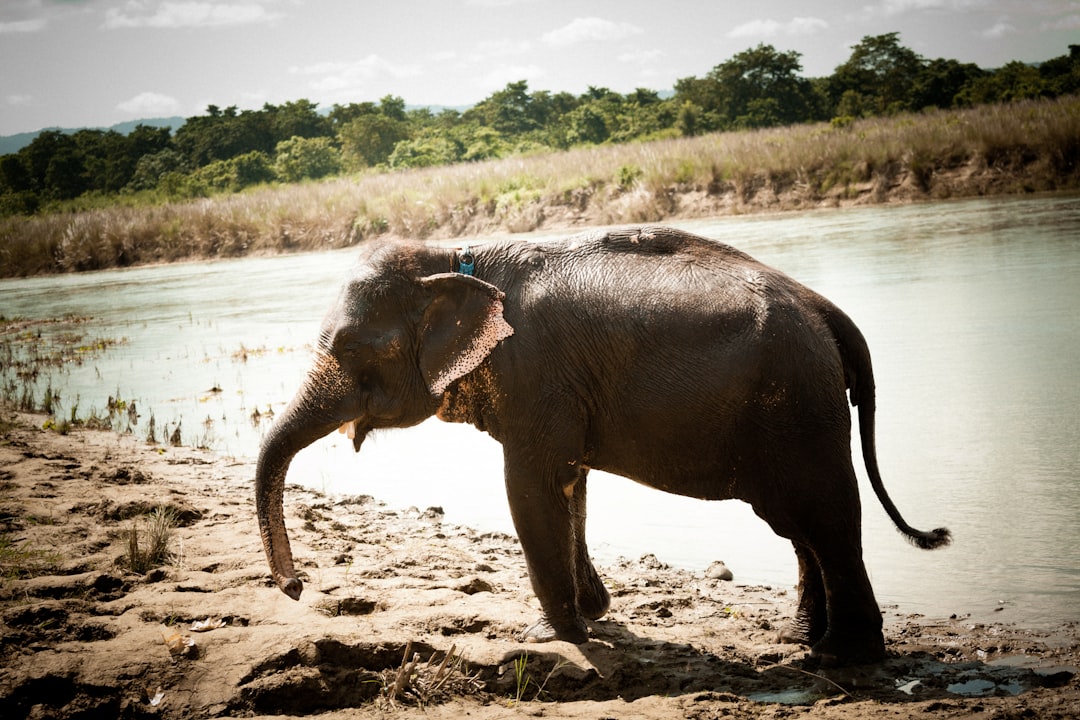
<point x="805" y="629"/>
<point x="839" y="649"/>
<point x="794" y="634"/>
<point x="544" y="631"/>
<point x="595" y="601"/>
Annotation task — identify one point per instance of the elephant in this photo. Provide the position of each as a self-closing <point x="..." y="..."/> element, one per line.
<point x="649" y="352"/>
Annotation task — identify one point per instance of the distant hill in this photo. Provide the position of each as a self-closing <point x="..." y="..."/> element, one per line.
<point x="14" y="143"/>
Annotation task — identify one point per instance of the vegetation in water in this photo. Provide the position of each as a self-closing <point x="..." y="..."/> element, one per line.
<point x="31" y="351"/>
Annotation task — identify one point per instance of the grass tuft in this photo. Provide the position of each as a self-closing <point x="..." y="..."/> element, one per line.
<point x="423" y="684"/>
<point x="17" y="560"/>
<point x="148" y="540"/>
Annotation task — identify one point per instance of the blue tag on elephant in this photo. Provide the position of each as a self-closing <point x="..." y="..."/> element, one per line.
<point x="466" y="262"/>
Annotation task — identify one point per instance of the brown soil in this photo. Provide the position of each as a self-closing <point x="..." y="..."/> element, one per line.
<point x="81" y="636"/>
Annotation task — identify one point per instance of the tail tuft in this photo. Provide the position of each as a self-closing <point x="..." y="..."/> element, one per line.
<point x="939" y="537"/>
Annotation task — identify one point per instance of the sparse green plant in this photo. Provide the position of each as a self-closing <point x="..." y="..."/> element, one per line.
<point x="148" y="540"/>
<point x="49" y="400"/>
<point x="628" y="175"/>
<point x="19" y="560"/>
<point x="523" y="680"/>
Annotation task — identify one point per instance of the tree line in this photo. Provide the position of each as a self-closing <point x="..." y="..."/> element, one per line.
<point x="226" y="149"/>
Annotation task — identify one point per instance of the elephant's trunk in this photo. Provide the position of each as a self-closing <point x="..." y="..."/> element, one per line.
<point x="313" y="413"/>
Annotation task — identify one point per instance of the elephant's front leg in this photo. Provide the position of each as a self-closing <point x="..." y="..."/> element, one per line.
<point x="593" y="599"/>
<point x="540" y="494"/>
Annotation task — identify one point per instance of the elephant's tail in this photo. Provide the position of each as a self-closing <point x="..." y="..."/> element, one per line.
<point x="859" y="376"/>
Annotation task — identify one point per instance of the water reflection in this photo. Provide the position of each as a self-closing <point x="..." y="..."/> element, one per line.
<point x="970" y="310"/>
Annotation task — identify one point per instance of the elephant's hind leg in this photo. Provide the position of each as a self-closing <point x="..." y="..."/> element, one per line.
<point x="811" y="618"/>
<point x="837" y="614"/>
<point x="854" y="635"/>
<point x="831" y="544"/>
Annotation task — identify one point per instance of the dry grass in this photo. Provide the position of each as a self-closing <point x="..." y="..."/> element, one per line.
<point x="423" y="684"/>
<point x="148" y="540"/>
<point x="1030" y="146"/>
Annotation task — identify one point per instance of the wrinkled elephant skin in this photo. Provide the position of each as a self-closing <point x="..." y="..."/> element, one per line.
<point x="648" y="352"/>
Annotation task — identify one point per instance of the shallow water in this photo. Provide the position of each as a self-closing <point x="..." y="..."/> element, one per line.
<point x="970" y="309"/>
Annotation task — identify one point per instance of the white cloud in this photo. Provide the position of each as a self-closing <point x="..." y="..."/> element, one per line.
<point x="590" y="29"/>
<point x="141" y="13"/>
<point x="335" y="76"/>
<point x="22" y="26"/>
<point x="806" y="26"/>
<point x="766" y="28"/>
<point x="999" y="30"/>
<point x="896" y="7"/>
<point x="18" y="100"/>
<point x="1069" y="22"/>
<point x="150" y="103"/>
<point x="755" y="29"/>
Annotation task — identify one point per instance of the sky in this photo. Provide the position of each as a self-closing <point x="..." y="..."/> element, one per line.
<point x="94" y="63"/>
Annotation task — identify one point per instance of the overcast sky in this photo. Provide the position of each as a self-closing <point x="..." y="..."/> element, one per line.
<point x="74" y="63"/>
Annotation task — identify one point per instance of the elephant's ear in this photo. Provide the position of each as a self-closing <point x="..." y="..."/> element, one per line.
<point x="461" y="325"/>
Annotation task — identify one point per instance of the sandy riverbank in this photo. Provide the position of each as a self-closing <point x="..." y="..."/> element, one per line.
<point x="78" y="632"/>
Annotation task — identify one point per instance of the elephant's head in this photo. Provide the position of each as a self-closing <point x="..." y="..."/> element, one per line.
<point x="392" y="343"/>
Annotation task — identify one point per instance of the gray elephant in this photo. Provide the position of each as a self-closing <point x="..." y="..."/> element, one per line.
<point x="648" y="352"/>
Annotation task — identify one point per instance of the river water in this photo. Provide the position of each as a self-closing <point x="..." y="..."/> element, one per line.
<point x="970" y="309"/>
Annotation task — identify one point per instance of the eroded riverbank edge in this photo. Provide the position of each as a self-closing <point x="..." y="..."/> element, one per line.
<point x="80" y="632"/>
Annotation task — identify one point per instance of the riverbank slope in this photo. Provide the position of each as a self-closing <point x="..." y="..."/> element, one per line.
<point x="204" y="633"/>
<point x="996" y="150"/>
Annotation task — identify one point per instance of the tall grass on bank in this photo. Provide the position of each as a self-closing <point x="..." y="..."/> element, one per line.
<point x="1019" y="147"/>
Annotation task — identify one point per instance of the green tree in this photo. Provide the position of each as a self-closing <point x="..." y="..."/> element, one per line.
<point x="296" y="119"/>
<point x="368" y="139"/>
<point x="425" y="151"/>
<point x="393" y="107"/>
<point x="1062" y="74"/>
<point x="15" y="174"/>
<point x="479" y="142"/>
<point x="761" y="87"/>
<point x="940" y="82"/>
<point x="1014" y="81"/>
<point x="107" y="158"/>
<point x="586" y="124"/>
<point x="882" y="71"/>
<point x="152" y="167"/>
<point x="688" y="120"/>
<point x="342" y="114"/>
<point x="38" y="155"/>
<point x="509" y="110"/>
<point x="65" y="174"/>
<point x="300" y="158"/>
<point x="253" y="168"/>
<point x="145" y="140"/>
<point x="545" y="109"/>
<point x="224" y="134"/>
